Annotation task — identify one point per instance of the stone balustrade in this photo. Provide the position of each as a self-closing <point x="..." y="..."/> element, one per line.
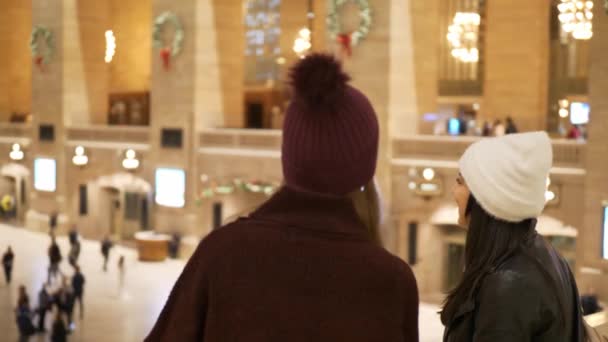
<point x="111" y="134"/>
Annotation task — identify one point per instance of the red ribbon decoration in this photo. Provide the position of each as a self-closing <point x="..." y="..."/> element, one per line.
<point x="38" y="60"/>
<point x="344" y="40"/>
<point x="165" y="55"/>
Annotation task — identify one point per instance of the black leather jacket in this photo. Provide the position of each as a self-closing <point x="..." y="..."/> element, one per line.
<point x="519" y="301"/>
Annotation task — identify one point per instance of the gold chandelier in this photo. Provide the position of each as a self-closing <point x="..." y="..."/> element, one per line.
<point x="463" y="36"/>
<point x="575" y="17"/>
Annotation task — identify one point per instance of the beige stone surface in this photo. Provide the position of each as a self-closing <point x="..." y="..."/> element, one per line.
<point x="517" y="62"/>
<point x="596" y="183"/>
<point x="15" y="59"/>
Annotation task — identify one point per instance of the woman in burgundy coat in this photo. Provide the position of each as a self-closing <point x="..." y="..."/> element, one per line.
<point x="307" y="265"/>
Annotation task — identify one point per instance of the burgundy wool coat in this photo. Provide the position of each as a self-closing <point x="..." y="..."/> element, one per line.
<point x="300" y="268"/>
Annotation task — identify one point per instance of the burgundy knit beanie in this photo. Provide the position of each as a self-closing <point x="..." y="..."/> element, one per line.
<point x="330" y="134"/>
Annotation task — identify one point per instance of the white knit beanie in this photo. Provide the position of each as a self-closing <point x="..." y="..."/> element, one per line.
<point x="508" y="175"/>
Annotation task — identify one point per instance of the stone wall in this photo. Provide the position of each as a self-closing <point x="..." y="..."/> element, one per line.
<point x="15" y="59"/>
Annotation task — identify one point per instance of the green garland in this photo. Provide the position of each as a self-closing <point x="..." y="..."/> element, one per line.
<point x="333" y="20"/>
<point x="178" y="39"/>
<point x="44" y="33"/>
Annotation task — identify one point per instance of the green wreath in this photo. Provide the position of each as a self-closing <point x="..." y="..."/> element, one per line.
<point x="47" y="36"/>
<point x="178" y="39"/>
<point x="335" y="27"/>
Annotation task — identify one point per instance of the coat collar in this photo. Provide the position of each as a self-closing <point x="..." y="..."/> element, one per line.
<point x="312" y="211"/>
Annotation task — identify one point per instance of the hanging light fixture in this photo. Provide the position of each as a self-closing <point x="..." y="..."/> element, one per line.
<point x="463" y="36"/>
<point x="110" y="46"/>
<point x="576" y="18"/>
<point x="302" y="44"/>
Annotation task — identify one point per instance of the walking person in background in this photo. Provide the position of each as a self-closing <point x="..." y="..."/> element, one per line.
<point x="308" y="265"/>
<point x="511" y="128"/>
<point x="73" y="234"/>
<point x="74" y="252"/>
<point x="106" y="245"/>
<point x="44" y="305"/>
<point x="54" y="258"/>
<point x="78" y="287"/>
<point x="515" y="286"/>
<point x="53" y="222"/>
<point x="121" y="275"/>
<point x="7" y="263"/>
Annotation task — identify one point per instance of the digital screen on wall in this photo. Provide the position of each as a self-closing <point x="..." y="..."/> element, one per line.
<point x="579" y="113"/>
<point x="454" y="126"/>
<point x="605" y="232"/>
<point x="170" y="187"/>
<point x="45" y="174"/>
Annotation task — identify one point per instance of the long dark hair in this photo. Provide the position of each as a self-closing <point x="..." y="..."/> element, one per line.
<point x="490" y="241"/>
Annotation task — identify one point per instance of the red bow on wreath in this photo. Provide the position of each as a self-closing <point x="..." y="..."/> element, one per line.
<point x="344" y="39"/>
<point x="165" y="55"/>
<point x="39" y="63"/>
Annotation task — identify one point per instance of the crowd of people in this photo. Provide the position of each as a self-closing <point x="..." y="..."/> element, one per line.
<point x="60" y="294"/>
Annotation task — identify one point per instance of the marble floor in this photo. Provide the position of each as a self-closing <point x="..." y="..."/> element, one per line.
<point x="109" y="314"/>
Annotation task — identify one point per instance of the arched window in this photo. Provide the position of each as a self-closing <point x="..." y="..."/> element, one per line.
<point x="262" y="33"/>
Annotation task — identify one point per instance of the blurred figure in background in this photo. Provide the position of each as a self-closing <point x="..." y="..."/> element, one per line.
<point x="65" y="301"/>
<point x="74" y="250"/>
<point x="121" y="274"/>
<point x="106" y="245"/>
<point x="590" y="302"/>
<point x="59" y="332"/>
<point x="7" y="264"/>
<point x="486" y="131"/>
<point x="54" y="258"/>
<point x="44" y="305"/>
<point x="24" y="315"/>
<point x="53" y="222"/>
<point x="499" y="128"/>
<point x="511" y="128"/>
<point x="78" y="287"/>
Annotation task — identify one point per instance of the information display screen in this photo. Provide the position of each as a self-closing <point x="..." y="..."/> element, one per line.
<point x="579" y="113"/>
<point x="170" y="187"/>
<point x="45" y="174"/>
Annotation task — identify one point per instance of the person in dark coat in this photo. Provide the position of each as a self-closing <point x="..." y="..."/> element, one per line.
<point x="7" y="263"/>
<point x="54" y="258"/>
<point x="308" y="265"/>
<point x="106" y="245"/>
<point x="65" y="299"/>
<point x="24" y="315"/>
<point x="78" y="287"/>
<point x="60" y="331"/>
<point x="44" y="305"/>
<point x="515" y="286"/>
<point x="73" y="234"/>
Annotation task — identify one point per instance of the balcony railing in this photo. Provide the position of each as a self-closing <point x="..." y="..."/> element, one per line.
<point x="17" y="130"/>
<point x="113" y="134"/>
<point x="241" y="138"/>
<point x="566" y="153"/>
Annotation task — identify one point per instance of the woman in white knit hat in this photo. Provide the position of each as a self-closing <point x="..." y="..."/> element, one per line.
<point x="515" y="286"/>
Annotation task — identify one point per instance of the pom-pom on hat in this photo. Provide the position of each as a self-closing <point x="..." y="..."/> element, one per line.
<point x="330" y="134"/>
<point x="508" y="175"/>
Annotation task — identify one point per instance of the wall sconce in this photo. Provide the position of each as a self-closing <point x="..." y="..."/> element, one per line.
<point x="426" y="184"/>
<point x="130" y="162"/>
<point x="551" y="194"/>
<point x="563" y="108"/>
<point x="16" y="153"/>
<point x="80" y="158"/>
